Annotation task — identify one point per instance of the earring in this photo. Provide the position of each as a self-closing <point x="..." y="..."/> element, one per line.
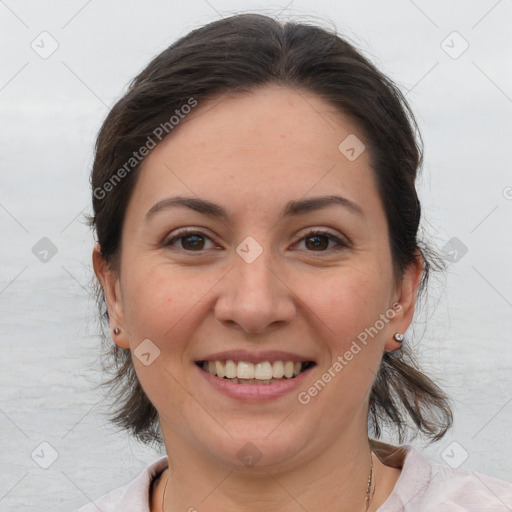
<point x="116" y="330"/>
<point x="399" y="337"/>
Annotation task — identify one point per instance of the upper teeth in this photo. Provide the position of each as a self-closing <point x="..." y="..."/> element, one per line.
<point x="261" y="371"/>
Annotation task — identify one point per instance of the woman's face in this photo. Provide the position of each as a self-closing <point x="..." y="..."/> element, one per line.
<point x="252" y="283"/>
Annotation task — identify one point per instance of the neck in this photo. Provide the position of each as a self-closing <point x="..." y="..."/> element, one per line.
<point x="339" y="482"/>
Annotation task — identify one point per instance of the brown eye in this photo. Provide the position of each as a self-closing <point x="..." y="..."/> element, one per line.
<point x="318" y="241"/>
<point x="190" y="241"/>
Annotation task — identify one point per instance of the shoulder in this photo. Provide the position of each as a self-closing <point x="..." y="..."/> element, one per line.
<point x="132" y="497"/>
<point x="430" y="487"/>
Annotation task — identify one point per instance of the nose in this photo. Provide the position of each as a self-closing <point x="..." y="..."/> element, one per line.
<point x="254" y="297"/>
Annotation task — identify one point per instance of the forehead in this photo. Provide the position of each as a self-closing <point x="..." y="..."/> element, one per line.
<point x="274" y="116"/>
<point x="270" y="144"/>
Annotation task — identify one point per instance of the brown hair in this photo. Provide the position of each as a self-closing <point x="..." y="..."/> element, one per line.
<point x="238" y="54"/>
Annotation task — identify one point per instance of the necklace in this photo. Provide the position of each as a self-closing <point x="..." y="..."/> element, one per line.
<point x="367" y="501"/>
<point x="369" y="491"/>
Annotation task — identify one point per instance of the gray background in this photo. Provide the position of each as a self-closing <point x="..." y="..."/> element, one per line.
<point x="51" y="109"/>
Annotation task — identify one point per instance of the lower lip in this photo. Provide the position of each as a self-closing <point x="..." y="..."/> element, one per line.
<point x="254" y="392"/>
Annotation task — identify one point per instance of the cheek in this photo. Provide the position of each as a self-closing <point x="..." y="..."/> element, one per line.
<point x="346" y="306"/>
<point x="162" y="304"/>
<point x="159" y="300"/>
<point x="347" y="302"/>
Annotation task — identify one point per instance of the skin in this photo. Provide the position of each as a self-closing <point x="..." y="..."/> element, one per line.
<point x="252" y="153"/>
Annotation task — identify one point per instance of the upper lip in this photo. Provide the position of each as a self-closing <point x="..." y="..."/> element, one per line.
<point x="255" y="357"/>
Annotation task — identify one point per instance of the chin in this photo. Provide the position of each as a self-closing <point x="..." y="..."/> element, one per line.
<point x="250" y="451"/>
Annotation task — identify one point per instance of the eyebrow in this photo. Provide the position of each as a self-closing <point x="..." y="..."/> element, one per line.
<point x="292" y="208"/>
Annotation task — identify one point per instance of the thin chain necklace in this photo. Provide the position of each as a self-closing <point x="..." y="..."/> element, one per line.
<point x="369" y="491"/>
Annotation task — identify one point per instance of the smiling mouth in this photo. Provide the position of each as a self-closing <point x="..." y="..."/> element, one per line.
<point x="265" y="372"/>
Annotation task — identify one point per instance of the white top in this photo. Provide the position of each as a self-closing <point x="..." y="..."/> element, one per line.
<point x="423" y="486"/>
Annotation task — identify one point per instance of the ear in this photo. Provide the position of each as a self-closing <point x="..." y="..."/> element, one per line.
<point x="110" y="283"/>
<point x="406" y="295"/>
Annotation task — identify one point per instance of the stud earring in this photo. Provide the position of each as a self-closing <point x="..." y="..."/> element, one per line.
<point x="116" y="330"/>
<point x="399" y="337"/>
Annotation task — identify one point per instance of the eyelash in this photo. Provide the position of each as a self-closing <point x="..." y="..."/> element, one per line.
<point x="183" y="233"/>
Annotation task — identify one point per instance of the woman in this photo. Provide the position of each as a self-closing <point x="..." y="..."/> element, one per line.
<point x="256" y="214"/>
